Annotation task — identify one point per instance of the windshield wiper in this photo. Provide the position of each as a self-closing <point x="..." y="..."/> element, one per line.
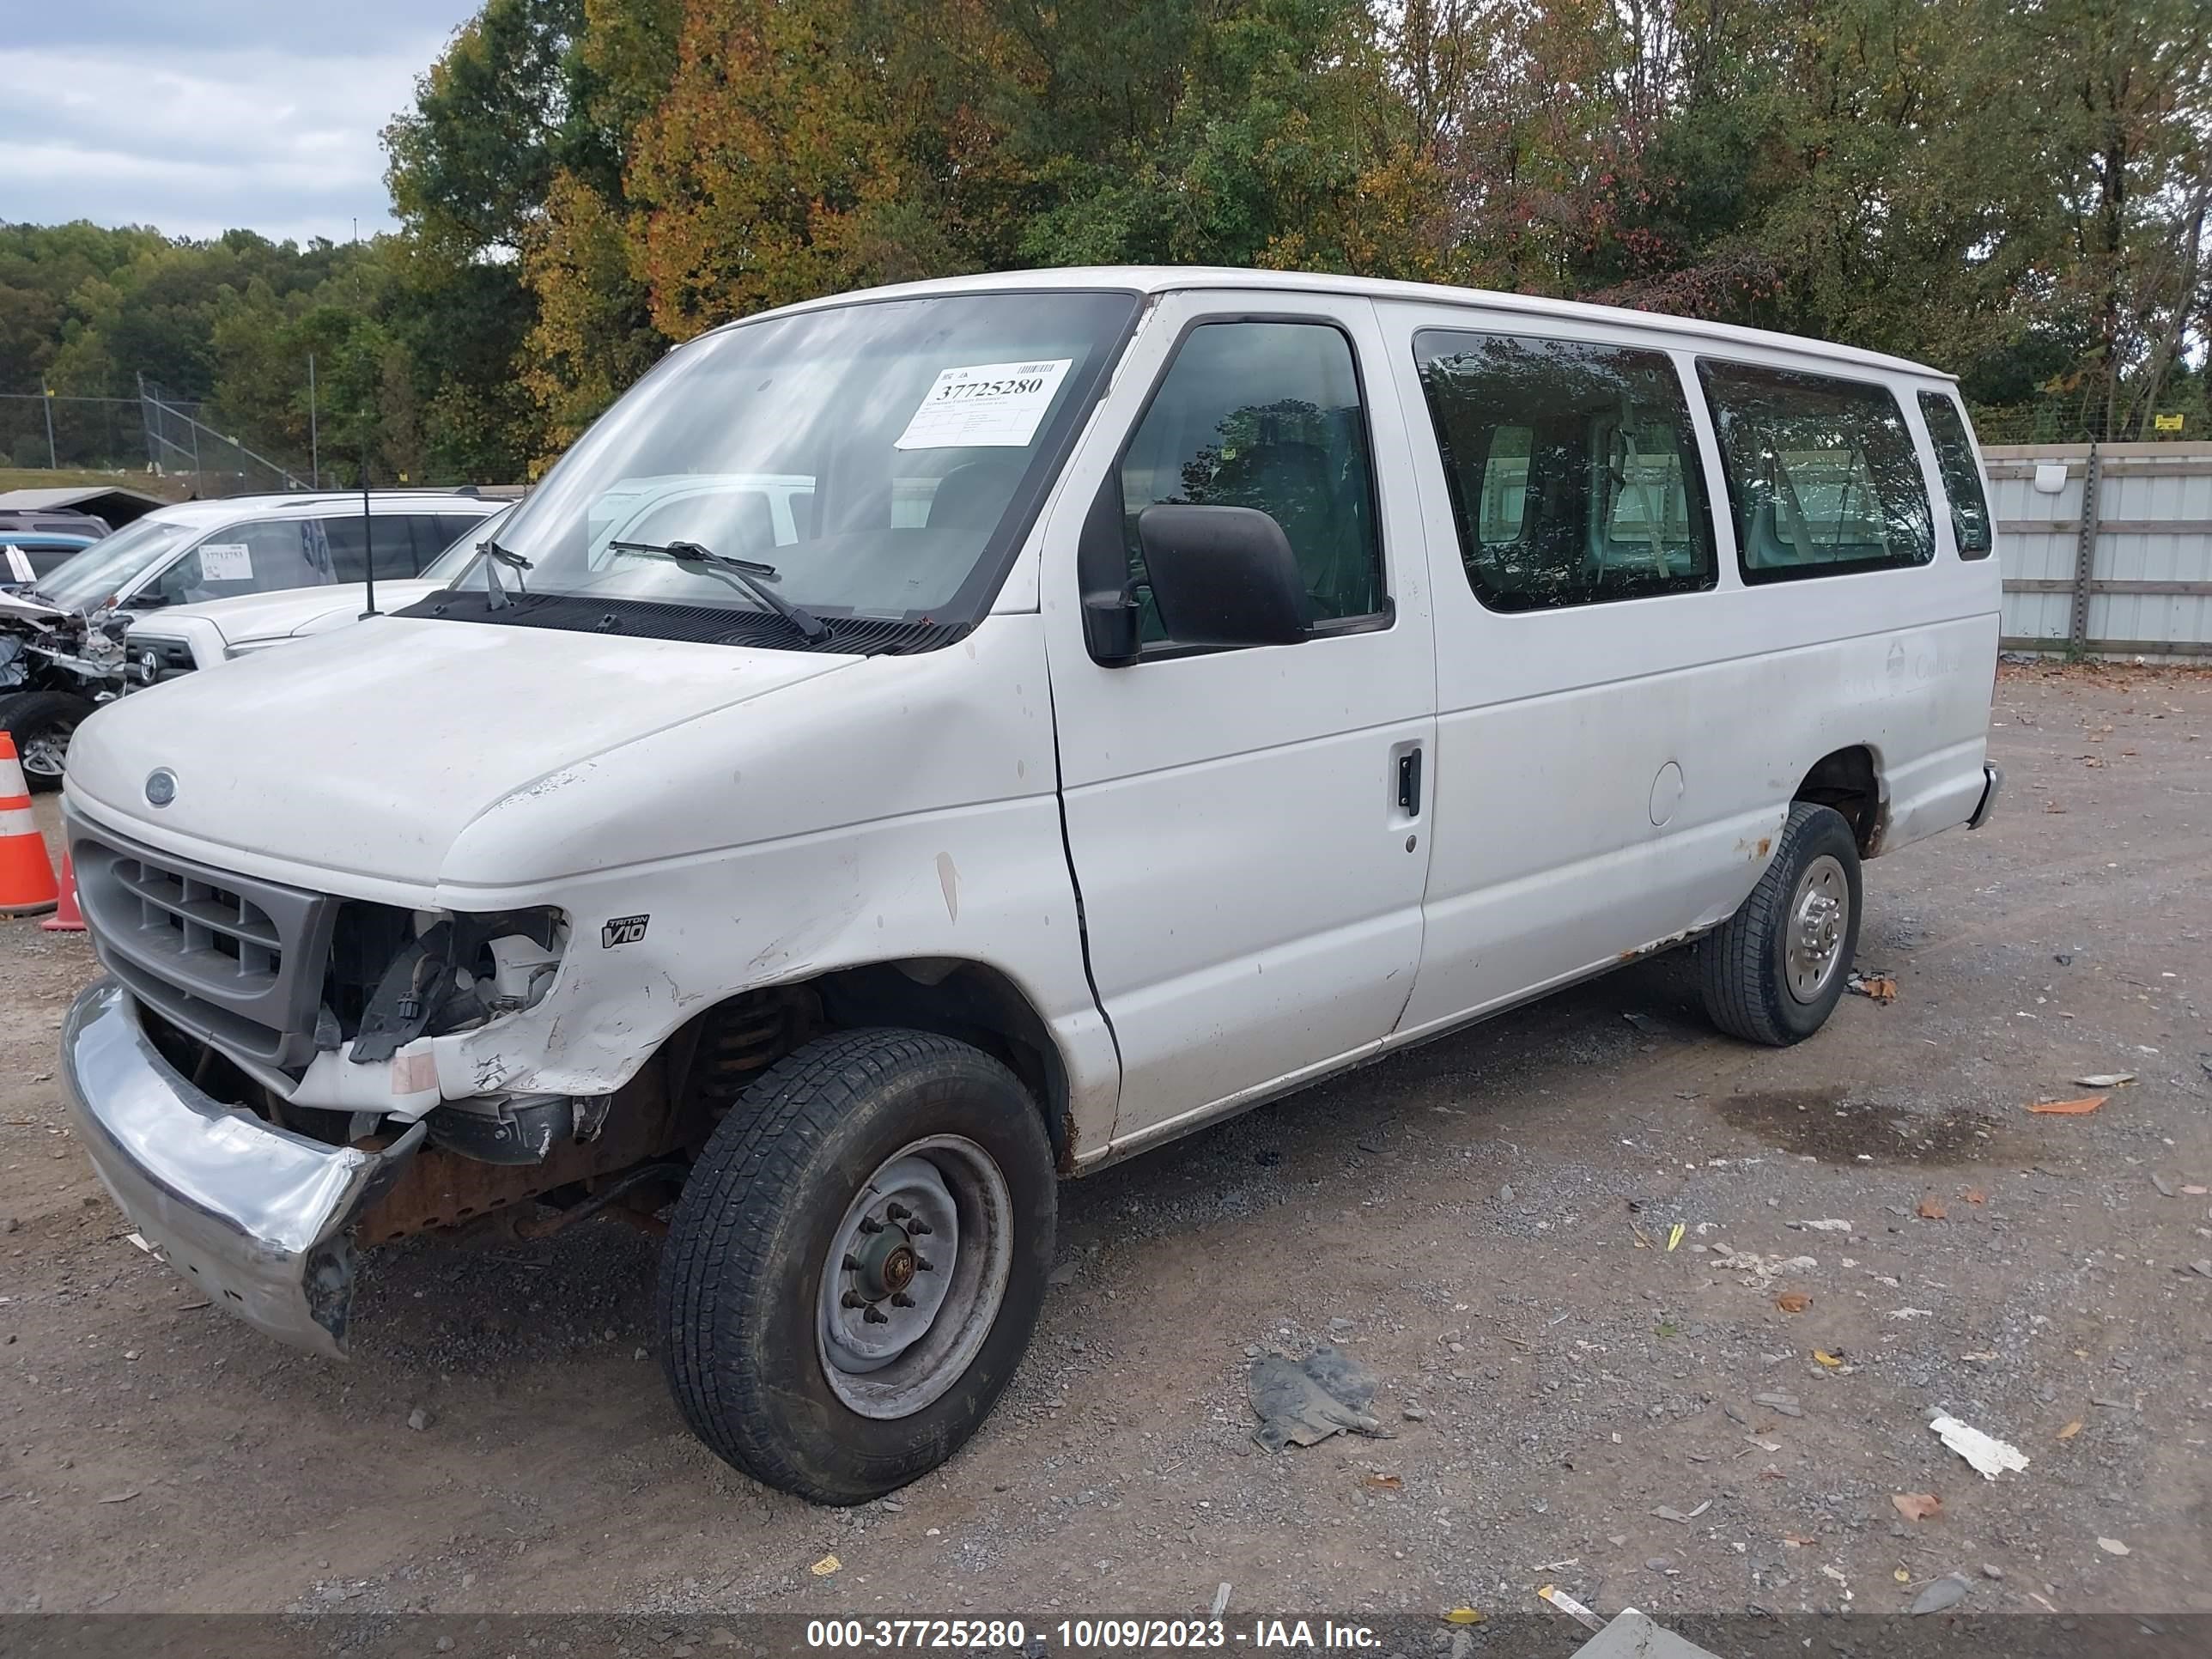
<point x="753" y="577"/>
<point x="490" y="555"/>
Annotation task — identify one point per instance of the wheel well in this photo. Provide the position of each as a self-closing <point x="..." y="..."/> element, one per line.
<point x="1848" y="780"/>
<point x="956" y="999"/>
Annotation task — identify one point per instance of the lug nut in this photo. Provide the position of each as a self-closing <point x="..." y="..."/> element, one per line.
<point x="922" y="1264"/>
<point x="870" y="1224"/>
<point x="875" y="1316"/>
<point x="897" y="1211"/>
<point x="852" y="1264"/>
<point x="854" y="1300"/>
<point x="919" y="1229"/>
<point x="900" y="1299"/>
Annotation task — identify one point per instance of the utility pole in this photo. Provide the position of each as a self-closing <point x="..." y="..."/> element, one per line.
<point x="314" y="449"/>
<point x="46" y="403"/>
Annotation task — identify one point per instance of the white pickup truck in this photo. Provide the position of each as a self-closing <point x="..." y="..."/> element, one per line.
<point x="925" y="742"/>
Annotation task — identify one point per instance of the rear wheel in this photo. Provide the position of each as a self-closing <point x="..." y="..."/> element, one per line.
<point x="857" y="1262"/>
<point x="1774" y="972"/>
<point x="41" y="722"/>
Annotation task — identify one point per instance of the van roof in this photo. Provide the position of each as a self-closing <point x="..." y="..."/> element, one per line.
<point x="1164" y="279"/>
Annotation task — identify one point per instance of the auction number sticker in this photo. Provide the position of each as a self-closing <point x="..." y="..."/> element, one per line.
<point x="226" y="561"/>
<point x="985" y="405"/>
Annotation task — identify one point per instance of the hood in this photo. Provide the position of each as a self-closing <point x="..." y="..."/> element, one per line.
<point x="288" y="611"/>
<point x="21" y="607"/>
<point x="368" y="752"/>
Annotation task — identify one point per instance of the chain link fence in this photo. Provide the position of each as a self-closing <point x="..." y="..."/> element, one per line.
<point x="157" y="431"/>
<point x="94" y="434"/>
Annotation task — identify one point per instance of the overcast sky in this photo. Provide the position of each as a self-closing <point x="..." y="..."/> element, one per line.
<point x="199" y="116"/>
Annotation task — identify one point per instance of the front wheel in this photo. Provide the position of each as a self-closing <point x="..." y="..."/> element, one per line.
<point x="857" y="1262"/>
<point x="41" y="723"/>
<point x="1775" y="971"/>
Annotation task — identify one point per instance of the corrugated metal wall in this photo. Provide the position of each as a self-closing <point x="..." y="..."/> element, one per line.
<point x="2133" y="579"/>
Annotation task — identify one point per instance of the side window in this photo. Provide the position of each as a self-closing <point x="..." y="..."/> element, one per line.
<point x="1268" y="416"/>
<point x="1573" y="469"/>
<point x="267" y="557"/>
<point x="1822" y="478"/>
<point x="1962" y="478"/>
<point x="399" y="540"/>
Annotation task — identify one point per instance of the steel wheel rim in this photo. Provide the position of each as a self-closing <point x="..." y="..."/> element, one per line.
<point x="914" y="1276"/>
<point x="1820" y="916"/>
<point x="45" y="752"/>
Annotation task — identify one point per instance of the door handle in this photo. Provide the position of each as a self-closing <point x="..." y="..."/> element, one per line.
<point x="1409" y="782"/>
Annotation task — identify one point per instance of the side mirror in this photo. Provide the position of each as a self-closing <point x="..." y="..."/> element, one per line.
<point x="1222" y="575"/>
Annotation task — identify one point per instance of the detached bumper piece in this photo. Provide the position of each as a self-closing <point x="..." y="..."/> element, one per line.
<point x="255" y="1215"/>
<point x="1992" y="783"/>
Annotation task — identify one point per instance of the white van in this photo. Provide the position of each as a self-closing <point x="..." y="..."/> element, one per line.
<point x="1156" y="690"/>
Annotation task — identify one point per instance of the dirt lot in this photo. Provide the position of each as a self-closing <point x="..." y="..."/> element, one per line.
<point x="1483" y="1222"/>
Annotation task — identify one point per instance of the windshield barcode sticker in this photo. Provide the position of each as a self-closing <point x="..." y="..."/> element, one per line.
<point x="985" y="405"/>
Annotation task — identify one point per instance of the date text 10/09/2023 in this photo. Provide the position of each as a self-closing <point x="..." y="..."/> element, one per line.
<point x="1116" y="1635"/>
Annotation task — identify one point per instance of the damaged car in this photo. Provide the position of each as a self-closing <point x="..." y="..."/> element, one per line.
<point x="63" y="636"/>
<point x="923" y="744"/>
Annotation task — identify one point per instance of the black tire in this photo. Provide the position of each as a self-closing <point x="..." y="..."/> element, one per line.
<point x="40" y="723"/>
<point x="741" y="1301"/>
<point x="1745" y="966"/>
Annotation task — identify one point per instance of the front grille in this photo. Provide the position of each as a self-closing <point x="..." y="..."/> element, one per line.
<point x="230" y="958"/>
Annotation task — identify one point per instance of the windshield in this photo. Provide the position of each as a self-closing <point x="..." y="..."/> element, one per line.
<point x="104" y="569"/>
<point x="863" y="458"/>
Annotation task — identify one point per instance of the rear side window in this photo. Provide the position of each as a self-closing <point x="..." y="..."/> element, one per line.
<point x="1962" y="479"/>
<point x="1266" y="415"/>
<point x="1822" y="478"/>
<point x="400" y="541"/>
<point x="1573" y="469"/>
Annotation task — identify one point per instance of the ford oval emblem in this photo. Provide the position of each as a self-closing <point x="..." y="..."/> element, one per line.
<point x="161" y="785"/>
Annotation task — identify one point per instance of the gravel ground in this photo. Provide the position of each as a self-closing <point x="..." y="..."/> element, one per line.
<point x="1485" y="1222"/>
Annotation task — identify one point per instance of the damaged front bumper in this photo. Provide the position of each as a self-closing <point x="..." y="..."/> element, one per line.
<point x="257" y="1216"/>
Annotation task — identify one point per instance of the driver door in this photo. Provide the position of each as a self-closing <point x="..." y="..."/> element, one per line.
<point x="1247" y="825"/>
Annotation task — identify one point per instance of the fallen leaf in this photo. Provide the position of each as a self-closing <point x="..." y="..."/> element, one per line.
<point x="1675" y="1237"/>
<point x="2080" y="1107"/>
<point x="825" y="1566"/>
<point x="1828" y="1359"/>
<point x="1975" y="1195"/>
<point x="1880" y="986"/>
<point x="1793" y="1302"/>
<point x="1796" y="1540"/>
<point x="1917" y="1505"/>
<point x="119" y="1496"/>
<point x="1385" y="1482"/>
<point x="1462" y="1616"/>
<point x="2193" y="1192"/>
<point x="2106" y="1079"/>
<point x="2071" y="1429"/>
<point x="2113" y="1546"/>
<point x="1902" y="1576"/>
<point x="1931" y="1209"/>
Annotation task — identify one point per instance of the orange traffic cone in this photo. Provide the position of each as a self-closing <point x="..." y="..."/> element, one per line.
<point x="26" y="876"/>
<point x="68" y="919"/>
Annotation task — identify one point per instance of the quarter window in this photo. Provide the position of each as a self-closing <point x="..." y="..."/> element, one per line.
<point x="1572" y="466"/>
<point x="1962" y="478"/>
<point x="1822" y="478"/>
<point x="1266" y="415"/>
